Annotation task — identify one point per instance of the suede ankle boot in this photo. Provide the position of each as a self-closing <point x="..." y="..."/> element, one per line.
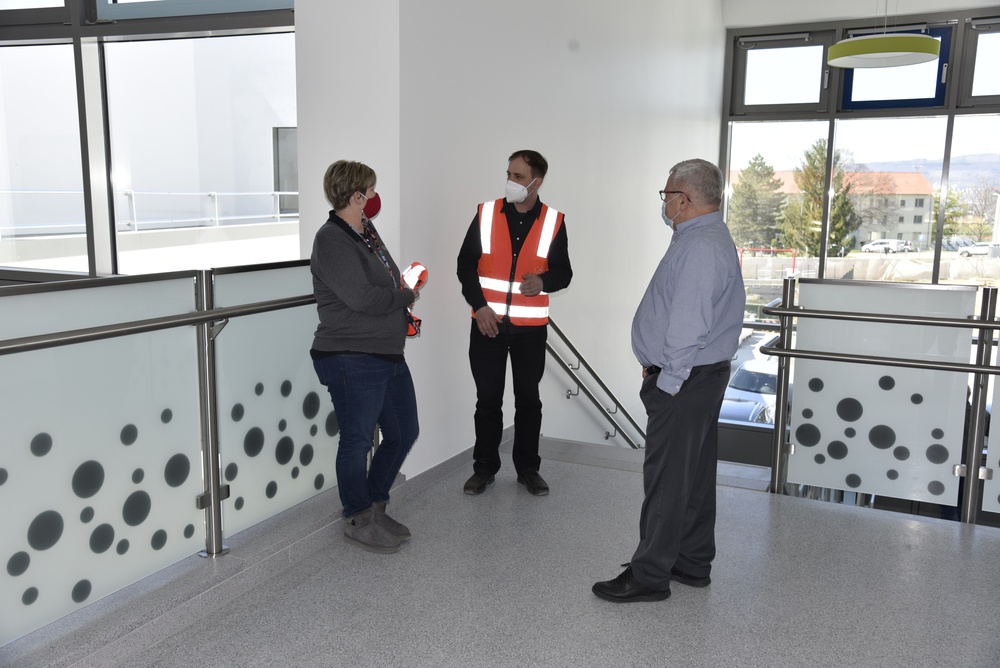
<point x="392" y="526"/>
<point x="362" y="530"/>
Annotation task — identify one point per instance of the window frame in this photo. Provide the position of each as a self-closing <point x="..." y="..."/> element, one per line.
<point x="741" y="46"/>
<point x="105" y="10"/>
<point x="75" y="25"/>
<point x="941" y="87"/>
<point x="974" y="28"/>
<point x="957" y="80"/>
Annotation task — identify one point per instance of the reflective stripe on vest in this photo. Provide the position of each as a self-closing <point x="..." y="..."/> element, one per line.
<point x="486" y="226"/>
<point x="519" y="311"/>
<point x="502" y="286"/>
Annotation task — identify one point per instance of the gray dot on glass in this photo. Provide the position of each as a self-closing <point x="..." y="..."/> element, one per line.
<point x="129" y="434"/>
<point x="850" y="409"/>
<point x="937" y="454"/>
<point x="41" y="444"/>
<point x="808" y="435"/>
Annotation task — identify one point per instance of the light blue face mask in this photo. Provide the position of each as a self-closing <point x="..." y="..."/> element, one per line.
<point x="663" y="212"/>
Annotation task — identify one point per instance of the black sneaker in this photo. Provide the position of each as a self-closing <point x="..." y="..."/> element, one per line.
<point x="625" y="589"/>
<point x="477" y="483"/>
<point x="534" y="482"/>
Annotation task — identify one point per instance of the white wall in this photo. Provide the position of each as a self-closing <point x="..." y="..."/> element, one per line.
<point x="741" y="13"/>
<point x="436" y="94"/>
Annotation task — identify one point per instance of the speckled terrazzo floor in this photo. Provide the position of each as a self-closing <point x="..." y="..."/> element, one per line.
<point x="503" y="579"/>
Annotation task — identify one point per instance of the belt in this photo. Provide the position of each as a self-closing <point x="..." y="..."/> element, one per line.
<point x="650" y="370"/>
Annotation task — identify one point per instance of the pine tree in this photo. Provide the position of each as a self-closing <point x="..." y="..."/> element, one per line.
<point x="802" y="218"/>
<point x="755" y="206"/>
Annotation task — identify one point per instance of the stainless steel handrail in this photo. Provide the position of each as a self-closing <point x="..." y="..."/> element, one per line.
<point x="586" y="390"/>
<point x="86" y="334"/>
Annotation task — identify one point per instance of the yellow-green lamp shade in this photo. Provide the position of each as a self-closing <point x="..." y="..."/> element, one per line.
<point x="883" y="51"/>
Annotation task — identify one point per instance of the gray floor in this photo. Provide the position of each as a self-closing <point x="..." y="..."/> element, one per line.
<point x="504" y="579"/>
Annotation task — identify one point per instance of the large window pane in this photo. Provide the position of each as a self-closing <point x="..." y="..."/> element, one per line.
<point x="771" y="207"/>
<point x="973" y="203"/>
<point x="986" y="80"/>
<point x="921" y="85"/>
<point x="41" y="178"/>
<point x="193" y="127"/>
<point x="887" y="173"/>
<point x="799" y="82"/>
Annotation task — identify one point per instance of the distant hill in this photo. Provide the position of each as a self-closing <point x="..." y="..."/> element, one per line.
<point x="966" y="170"/>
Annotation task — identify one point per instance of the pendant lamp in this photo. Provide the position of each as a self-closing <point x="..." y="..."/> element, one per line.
<point x="884" y="49"/>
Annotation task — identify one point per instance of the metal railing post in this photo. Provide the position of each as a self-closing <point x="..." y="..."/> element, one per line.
<point x="215" y="491"/>
<point x="779" y="455"/>
<point x="215" y="208"/>
<point x="973" y="454"/>
<point x="133" y="216"/>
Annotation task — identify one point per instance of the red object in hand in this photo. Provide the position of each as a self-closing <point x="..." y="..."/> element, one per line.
<point x="414" y="277"/>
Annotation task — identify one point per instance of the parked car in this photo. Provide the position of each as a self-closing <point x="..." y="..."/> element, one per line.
<point x="756" y="381"/>
<point x="981" y="248"/>
<point x="744" y="410"/>
<point x="885" y="246"/>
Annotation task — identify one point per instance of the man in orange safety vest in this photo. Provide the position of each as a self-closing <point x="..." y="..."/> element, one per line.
<point x="514" y="254"/>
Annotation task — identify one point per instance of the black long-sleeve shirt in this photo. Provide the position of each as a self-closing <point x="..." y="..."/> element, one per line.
<point x="518" y="225"/>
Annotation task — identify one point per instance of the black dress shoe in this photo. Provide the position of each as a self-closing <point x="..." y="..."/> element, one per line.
<point x="534" y="482"/>
<point x="624" y="589"/>
<point x="690" y="580"/>
<point x="477" y="483"/>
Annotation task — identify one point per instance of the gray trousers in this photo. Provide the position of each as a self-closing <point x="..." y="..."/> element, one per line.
<point x="677" y="522"/>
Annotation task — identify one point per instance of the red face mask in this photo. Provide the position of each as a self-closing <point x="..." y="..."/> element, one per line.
<point x="372" y="206"/>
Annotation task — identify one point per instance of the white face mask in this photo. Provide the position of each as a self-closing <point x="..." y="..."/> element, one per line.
<point x="516" y="193"/>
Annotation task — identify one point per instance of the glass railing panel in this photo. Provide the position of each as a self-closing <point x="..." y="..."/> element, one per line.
<point x="991" y="487"/>
<point x="92" y="303"/>
<point x="100" y="463"/>
<point x="277" y="430"/>
<point x="888" y="431"/>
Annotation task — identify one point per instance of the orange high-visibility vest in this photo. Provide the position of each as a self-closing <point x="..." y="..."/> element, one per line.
<point x="500" y="280"/>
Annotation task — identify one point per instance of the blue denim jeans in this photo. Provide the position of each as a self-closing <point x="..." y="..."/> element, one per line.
<point x="367" y="391"/>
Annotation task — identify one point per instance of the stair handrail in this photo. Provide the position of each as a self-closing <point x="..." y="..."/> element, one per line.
<point x="586" y="390"/>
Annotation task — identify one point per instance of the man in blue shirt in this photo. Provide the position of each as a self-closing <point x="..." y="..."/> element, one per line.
<point x="684" y="334"/>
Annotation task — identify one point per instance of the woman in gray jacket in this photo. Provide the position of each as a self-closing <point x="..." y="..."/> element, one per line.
<point x="358" y="354"/>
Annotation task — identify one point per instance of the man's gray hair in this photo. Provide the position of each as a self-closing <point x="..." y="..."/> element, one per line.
<point x="700" y="180"/>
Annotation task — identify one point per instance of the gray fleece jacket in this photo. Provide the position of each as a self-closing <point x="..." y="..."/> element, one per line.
<point x="360" y="309"/>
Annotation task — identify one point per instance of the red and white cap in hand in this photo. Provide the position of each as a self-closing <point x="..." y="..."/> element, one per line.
<point x="415" y="275"/>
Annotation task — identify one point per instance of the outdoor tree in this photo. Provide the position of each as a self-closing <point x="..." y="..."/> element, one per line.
<point x="802" y="216"/>
<point x="981" y="204"/>
<point x="873" y="195"/>
<point x="755" y="205"/>
<point x="954" y="212"/>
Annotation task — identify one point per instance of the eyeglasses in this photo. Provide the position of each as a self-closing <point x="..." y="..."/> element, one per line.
<point x="664" y="193"/>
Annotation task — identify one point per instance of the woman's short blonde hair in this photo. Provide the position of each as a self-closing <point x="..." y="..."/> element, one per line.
<point x="344" y="178"/>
